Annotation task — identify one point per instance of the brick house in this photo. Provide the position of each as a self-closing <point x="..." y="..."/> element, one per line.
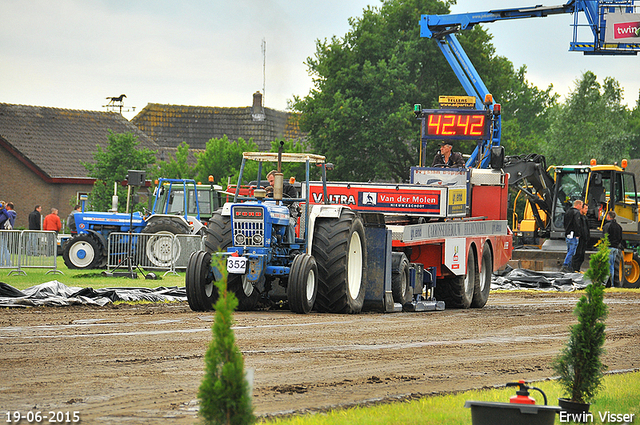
<point x="170" y="125"/>
<point x="41" y="150"/>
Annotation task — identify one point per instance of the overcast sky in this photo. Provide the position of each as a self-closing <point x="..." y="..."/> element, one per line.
<point x="75" y="53"/>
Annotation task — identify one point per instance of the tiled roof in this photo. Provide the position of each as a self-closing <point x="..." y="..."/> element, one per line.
<point x="55" y="140"/>
<point x="170" y="125"/>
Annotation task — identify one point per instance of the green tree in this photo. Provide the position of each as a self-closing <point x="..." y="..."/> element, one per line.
<point x="224" y="392"/>
<point x="221" y="159"/>
<point x="177" y="167"/>
<point x="634" y="122"/>
<point x="123" y="153"/>
<point x="592" y="123"/>
<point x="366" y="82"/>
<point x="580" y="362"/>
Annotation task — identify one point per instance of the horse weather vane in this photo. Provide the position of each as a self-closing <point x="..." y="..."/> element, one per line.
<point x="116" y="104"/>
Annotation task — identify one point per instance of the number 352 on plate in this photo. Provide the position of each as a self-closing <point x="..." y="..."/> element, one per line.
<point x="237" y="265"/>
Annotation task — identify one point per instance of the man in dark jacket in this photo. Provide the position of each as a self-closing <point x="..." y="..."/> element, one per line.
<point x="34" y="218"/>
<point x="572" y="233"/>
<point x="614" y="230"/>
<point x="581" y="250"/>
<point x="446" y="158"/>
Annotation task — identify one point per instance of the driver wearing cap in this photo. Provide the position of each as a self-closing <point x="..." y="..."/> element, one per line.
<point x="446" y="158"/>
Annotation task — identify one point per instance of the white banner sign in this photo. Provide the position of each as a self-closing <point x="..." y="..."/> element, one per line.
<point x="623" y="28"/>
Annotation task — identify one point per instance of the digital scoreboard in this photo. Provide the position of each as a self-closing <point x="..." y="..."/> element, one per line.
<point x="456" y="124"/>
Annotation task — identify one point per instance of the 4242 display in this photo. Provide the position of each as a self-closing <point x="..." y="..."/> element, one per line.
<point x="462" y="124"/>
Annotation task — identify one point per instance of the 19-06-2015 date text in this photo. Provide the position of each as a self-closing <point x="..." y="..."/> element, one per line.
<point x="38" y="417"/>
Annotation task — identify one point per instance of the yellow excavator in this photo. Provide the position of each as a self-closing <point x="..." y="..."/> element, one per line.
<point x="550" y="191"/>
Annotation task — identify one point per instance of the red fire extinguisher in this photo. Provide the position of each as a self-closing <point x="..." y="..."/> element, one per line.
<point x="522" y="395"/>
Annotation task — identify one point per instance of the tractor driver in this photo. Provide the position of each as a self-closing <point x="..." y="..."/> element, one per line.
<point x="288" y="191"/>
<point x="446" y="158"/>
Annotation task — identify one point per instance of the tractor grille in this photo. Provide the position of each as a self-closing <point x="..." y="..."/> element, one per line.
<point x="248" y="226"/>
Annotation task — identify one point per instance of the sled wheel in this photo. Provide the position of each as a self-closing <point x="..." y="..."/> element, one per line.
<point x="400" y="281"/>
<point x="457" y="291"/>
<point x="339" y="250"/>
<point x="302" y="288"/>
<point x="483" y="283"/>
<point x="201" y="291"/>
<point x="82" y="252"/>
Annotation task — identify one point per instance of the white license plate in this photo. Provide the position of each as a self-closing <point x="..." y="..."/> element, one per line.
<point x="237" y="265"/>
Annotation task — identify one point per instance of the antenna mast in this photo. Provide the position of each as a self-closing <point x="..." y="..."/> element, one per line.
<point x="264" y="67"/>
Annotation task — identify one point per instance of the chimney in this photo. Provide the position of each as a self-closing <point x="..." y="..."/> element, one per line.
<point x="257" y="110"/>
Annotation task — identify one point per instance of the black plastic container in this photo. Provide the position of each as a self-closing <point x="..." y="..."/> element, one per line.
<point x="493" y="413"/>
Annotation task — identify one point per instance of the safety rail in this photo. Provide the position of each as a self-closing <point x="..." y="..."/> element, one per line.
<point x="157" y="251"/>
<point x="28" y="249"/>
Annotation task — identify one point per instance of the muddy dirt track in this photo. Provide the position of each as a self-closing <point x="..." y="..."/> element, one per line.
<point x="143" y="364"/>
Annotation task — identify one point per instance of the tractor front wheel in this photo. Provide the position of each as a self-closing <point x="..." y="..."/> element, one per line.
<point x="248" y="296"/>
<point x="302" y="288"/>
<point x="201" y="291"/>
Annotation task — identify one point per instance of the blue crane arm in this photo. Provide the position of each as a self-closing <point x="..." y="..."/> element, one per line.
<point x="437" y="25"/>
<point x="444" y="27"/>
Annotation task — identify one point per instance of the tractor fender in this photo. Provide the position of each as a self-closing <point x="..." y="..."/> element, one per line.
<point x="226" y="209"/>
<point x="321" y="211"/>
<point x="171" y="217"/>
<point x="100" y="237"/>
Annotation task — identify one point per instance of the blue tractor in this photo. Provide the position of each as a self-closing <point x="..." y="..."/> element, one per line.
<point x="282" y="249"/>
<point x="176" y="210"/>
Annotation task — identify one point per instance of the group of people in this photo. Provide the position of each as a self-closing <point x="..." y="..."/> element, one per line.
<point x="51" y="221"/>
<point x="577" y="235"/>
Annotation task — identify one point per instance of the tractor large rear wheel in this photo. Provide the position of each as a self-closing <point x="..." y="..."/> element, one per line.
<point x="457" y="291"/>
<point x="339" y="250"/>
<point x="201" y="291"/>
<point x="82" y="252"/>
<point x="163" y="247"/>
<point x="218" y="233"/>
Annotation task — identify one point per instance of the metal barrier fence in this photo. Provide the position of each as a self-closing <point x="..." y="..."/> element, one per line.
<point x="28" y="249"/>
<point x="161" y="251"/>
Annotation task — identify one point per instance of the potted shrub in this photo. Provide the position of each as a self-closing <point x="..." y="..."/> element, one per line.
<point x="579" y="363"/>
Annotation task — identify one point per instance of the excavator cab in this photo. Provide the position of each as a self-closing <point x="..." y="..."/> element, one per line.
<point x="603" y="187"/>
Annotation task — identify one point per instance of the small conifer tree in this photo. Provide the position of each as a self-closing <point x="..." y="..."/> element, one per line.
<point x="579" y="363"/>
<point x="224" y="392"/>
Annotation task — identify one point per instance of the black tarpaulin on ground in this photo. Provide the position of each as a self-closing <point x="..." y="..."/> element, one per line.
<point x="545" y="281"/>
<point x="55" y="293"/>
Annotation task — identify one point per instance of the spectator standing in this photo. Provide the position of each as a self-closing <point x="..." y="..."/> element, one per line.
<point x="71" y="219"/>
<point x="35" y="218"/>
<point x="614" y="230"/>
<point x="572" y="233"/>
<point x="52" y="221"/>
<point x="7" y="221"/>
<point x="581" y="250"/>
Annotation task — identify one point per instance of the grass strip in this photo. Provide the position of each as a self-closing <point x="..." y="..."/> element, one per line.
<point x="620" y="395"/>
